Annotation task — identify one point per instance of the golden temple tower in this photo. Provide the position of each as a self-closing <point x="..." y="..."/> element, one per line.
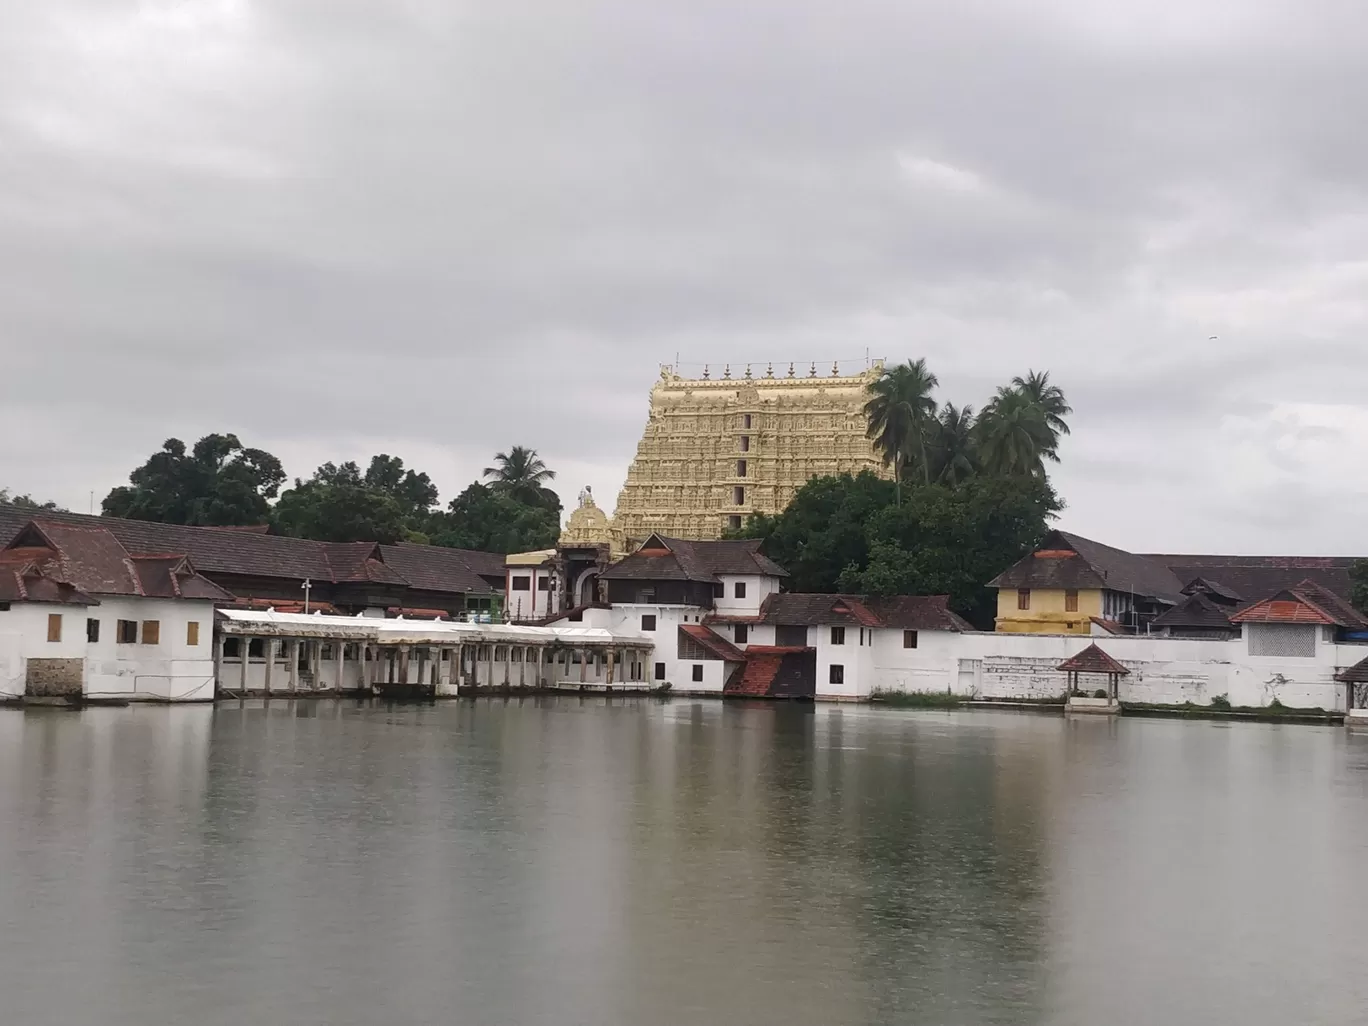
<point x="717" y="449"/>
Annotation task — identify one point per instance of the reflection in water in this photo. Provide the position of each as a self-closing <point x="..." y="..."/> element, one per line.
<point x="630" y="861"/>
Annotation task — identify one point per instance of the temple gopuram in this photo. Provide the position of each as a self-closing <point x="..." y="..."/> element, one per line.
<point x="717" y="449"/>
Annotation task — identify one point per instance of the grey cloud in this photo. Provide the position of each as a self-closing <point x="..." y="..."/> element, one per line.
<point x="443" y="229"/>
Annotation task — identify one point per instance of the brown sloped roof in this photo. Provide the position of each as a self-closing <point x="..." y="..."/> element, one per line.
<point x="358" y="561"/>
<point x="1071" y="562"/>
<point x="1253" y="578"/>
<point x="1356" y="674"/>
<point x="91" y="561"/>
<point x="918" y="612"/>
<point x="1219" y="591"/>
<point x="718" y="646"/>
<point x="1092" y="660"/>
<point x="905" y="612"/>
<point x="22" y="579"/>
<point x="677" y="559"/>
<point x="1308" y="602"/>
<point x="433" y="568"/>
<point x="175" y="577"/>
<point x="1197" y="610"/>
<point x="251" y="553"/>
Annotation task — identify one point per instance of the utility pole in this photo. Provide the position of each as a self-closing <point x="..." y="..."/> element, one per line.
<point x="308" y="587"/>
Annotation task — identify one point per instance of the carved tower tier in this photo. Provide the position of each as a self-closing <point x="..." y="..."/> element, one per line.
<point x="719" y="448"/>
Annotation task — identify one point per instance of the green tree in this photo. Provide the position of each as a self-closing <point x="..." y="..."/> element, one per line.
<point x="337" y="505"/>
<point x="386" y="504"/>
<point x="220" y="482"/>
<point x="1013" y="436"/>
<point x="414" y="492"/>
<point x="482" y="517"/>
<point x="851" y="534"/>
<point x="8" y="498"/>
<point x="1358" y="585"/>
<point x="900" y="411"/>
<point x="1050" y="401"/>
<point x="520" y="474"/>
<point x="823" y="530"/>
<point x="953" y="452"/>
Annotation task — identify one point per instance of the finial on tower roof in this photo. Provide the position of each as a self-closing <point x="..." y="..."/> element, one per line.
<point x="705" y="372"/>
<point x="835" y="369"/>
<point x="813" y="372"/>
<point x="769" y="371"/>
<point x="748" y="373"/>
<point x="726" y="373"/>
<point x="790" y="369"/>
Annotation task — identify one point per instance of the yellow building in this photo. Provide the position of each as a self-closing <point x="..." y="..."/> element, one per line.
<point x="717" y="449"/>
<point x="1071" y="584"/>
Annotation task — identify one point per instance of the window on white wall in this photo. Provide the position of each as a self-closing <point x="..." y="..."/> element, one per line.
<point x="648" y="621"/>
<point x="838" y="635"/>
<point x="836" y="674"/>
<point x="698" y="672"/>
<point x="740" y="590"/>
<point x="909" y="639"/>
<point x="1288" y="640"/>
<point x="742" y="633"/>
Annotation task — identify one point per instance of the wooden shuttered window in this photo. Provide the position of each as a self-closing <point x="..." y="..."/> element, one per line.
<point x="54" y="626"/>
<point x="192" y="633"/>
<point x="151" y="632"/>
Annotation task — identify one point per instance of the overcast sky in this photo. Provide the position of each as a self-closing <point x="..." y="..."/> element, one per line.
<point x="437" y="229"/>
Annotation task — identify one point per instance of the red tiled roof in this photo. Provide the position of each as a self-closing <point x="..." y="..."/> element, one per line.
<point x="284" y="605"/>
<point x="764" y="664"/>
<point x="1092" y="660"/>
<point x="1308" y="602"/>
<point x="719" y="647"/>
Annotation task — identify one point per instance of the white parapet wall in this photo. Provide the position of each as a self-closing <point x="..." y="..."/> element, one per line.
<point x="1161" y="670"/>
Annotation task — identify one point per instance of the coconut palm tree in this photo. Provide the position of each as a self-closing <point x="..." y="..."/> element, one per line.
<point x="1013" y="436"/>
<point x="521" y="474"/>
<point x="900" y="410"/>
<point x="1049" y="399"/>
<point x="954" y="448"/>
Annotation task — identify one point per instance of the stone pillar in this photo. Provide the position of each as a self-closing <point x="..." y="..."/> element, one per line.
<point x="341" y="665"/>
<point x="268" y="647"/>
<point x="218" y="663"/>
<point x="292" y="658"/>
<point x="508" y="669"/>
<point x="244" y="646"/>
<point x="403" y="664"/>
<point x="609" y="678"/>
<point x="316" y="662"/>
<point x="584" y="662"/>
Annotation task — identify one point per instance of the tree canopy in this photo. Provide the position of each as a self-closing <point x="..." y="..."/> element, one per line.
<point x="8" y="498"/>
<point x="1013" y="435"/>
<point x="482" y="517"/>
<point x="969" y="496"/>
<point x="521" y="475"/>
<point x="218" y="483"/>
<point x="852" y="534"/>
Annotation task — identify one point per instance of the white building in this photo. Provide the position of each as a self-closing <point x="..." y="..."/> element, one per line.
<point x="263" y="651"/>
<point x="82" y="617"/>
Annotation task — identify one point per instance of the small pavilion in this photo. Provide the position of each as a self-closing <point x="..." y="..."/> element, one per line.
<point x="1093" y="661"/>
